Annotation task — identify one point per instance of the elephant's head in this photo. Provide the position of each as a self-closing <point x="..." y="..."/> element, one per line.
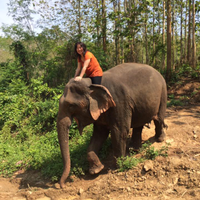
<point x="83" y="103"/>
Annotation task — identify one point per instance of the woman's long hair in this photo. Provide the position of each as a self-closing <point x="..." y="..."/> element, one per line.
<point x="84" y="49"/>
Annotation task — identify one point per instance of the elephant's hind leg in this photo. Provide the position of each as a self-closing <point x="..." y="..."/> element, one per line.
<point x="136" y="139"/>
<point x="100" y="134"/>
<point x="159" y="119"/>
<point x="160" y="134"/>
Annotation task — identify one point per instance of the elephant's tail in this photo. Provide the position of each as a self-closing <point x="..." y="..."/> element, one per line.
<point x="165" y="125"/>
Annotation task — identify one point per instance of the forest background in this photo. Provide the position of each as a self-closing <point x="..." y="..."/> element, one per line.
<point x="35" y="66"/>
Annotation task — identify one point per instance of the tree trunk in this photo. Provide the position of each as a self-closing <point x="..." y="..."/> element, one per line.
<point x="104" y="25"/>
<point x="116" y="35"/>
<point x="120" y="60"/>
<point x="173" y="35"/>
<point x="98" y="23"/>
<point x="189" y="34"/>
<point x="186" y="32"/>
<point x="181" y="34"/>
<point x="79" y="21"/>
<point x="193" y="35"/>
<point x="153" y="32"/>
<point x="163" y="38"/>
<point x="122" y="37"/>
<point x="168" y="72"/>
<point x="146" y="38"/>
<point x="131" y="40"/>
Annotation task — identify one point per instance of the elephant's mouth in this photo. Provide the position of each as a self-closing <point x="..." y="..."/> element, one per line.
<point x="80" y="126"/>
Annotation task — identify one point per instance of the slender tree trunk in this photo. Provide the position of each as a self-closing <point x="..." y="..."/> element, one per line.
<point x="153" y="32"/>
<point x="181" y="33"/>
<point x="131" y="40"/>
<point x="163" y="38"/>
<point x="135" y="56"/>
<point x="146" y="38"/>
<point x="186" y="31"/>
<point x="126" y="14"/>
<point x="193" y="35"/>
<point x="121" y="43"/>
<point x="168" y="72"/>
<point x="175" y="40"/>
<point x="79" y="21"/>
<point x="173" y="35"/>
<point x="98" y="23"/>
<point x="104" y="25"/>
<point x="115" y="35"/>
<point x="158" y="31"/>
<point x="158" y="18"/>
<point x="118" y="30"/>
<point x="189" y="34"/>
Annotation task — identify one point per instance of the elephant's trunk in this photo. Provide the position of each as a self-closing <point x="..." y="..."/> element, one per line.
<point x="63" y="124"/>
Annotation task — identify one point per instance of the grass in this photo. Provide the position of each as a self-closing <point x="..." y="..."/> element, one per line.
<point x="147" y="152"/>
<point x="43" y="153"/>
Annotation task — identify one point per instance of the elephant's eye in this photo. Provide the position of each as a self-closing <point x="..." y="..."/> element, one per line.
<point x="72" y="107"/>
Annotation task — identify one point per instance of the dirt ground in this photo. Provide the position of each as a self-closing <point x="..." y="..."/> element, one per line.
<point x="174" y="177"/>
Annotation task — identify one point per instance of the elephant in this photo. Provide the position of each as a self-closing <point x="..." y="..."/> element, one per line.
<point x="130" y="96"/>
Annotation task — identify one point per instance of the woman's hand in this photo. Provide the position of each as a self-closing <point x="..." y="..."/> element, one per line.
<point x="78" y="78"/>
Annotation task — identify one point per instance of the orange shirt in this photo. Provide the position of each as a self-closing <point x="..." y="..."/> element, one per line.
<point x="93" y="68"/>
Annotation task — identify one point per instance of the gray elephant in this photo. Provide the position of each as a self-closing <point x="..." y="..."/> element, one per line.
<point x="130" y="96"/>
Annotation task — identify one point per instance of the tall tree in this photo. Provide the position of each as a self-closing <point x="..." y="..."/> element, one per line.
<point x="181" y="32"/>
<point x="154" y="32"/>
<point x="116" y="31"/>
<point x="168" y="72"/>
<point x="186" y="11"/>
<point x="146" y="35"/>
<point x="104" y="26"/>
<point x="98" y="22"/>
<point x="189" y="33"/>
<point x="121" y="55"/>
<point x="173" y="34"/>
<point x="79" y="20"/>
<point x="193" y="36"/>
<point x="163" y="38"/>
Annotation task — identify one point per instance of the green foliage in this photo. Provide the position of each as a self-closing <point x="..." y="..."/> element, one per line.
<point x="8" y="72"/>
<point x="174" y="102"/>
<point x="147" y="152"/>
<point x="28" y="133"/>
<point x="185" y="71"/>
<point x="4" y="49"/>
<point x="127" y="162"/>
<point x="150" y="153"/>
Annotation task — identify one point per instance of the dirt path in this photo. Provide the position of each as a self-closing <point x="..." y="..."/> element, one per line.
<point x="174" y="177"/>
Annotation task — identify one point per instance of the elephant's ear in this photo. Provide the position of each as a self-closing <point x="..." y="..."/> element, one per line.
<point x="100" y="100"/>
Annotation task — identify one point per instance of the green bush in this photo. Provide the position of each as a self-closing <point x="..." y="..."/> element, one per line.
<point x="150" y="153"/>
<point x="174" y="102"/>
<point x="28" y="133"/>
<point x="147" y="152"/>
<point x="128" y="162"/>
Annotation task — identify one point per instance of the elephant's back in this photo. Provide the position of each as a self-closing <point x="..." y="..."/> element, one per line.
<point x="141" y="84"/>
<point x="131" y="74"/>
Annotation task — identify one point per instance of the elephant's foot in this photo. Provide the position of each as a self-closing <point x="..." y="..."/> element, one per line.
<point x="135" y="146"/>
<point x="95" y="165"/>
<point x="96" y="169"/>
<point x="161" y="137"/>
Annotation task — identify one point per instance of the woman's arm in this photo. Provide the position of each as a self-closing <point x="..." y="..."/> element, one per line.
<point x="78" y="69"/>
<point x="85" y="65"/>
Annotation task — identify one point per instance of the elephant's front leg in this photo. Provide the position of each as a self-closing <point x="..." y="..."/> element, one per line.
<point x="100" y="134"/>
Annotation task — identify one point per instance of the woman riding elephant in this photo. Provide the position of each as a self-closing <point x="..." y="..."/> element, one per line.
<point x="87" y="63"/>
